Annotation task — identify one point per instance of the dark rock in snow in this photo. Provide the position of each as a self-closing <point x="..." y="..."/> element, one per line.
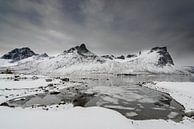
<point x="126" y="74"/>
<point x="121" y="57"/>
<point x="54" y="92"/>
<point x="190" y="114"/>
<point x="65" y="79"/>
<point x="165" y="56"/>
<point x="7" y="71"/>
<point x="131" y="55"/>
<point x="111" y="57"/>
<point x="48" y="80"/>
<point x="35" y="78"/>
<point x="81" y="50"/>
<point x="19" y="54"/>
<point x="4" y="104"/>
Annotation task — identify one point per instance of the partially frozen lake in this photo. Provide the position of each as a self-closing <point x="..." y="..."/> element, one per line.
<point x="121" y="93"/>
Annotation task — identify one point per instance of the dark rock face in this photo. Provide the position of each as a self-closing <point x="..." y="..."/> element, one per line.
<point x="121" y="57"/>
<point x="81" y="50"/>
<point x="131" y="55"/>
<point x="165" y="56"/>
<point x="111" y="57"/>
<point x="19" y="54"/>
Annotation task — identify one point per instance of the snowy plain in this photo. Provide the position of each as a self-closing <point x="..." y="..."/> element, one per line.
<point x="80" y="118"/>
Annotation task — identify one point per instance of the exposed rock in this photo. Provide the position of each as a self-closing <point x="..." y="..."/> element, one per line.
<point x="126" y="74"/>
<point x="121" y="57"/>
<point x="51" y="84"/>
<point x="7" y="71"/>
<point x="131" y="55"/>
<point x="16" y="79"/>
<point x="190" y="114"/>
<point x="54" y="92"/>
<point x="111" y="57"/>
<point x="65" y="79"/>
<point x="34" y="77"/>
<point x="4" y="104"/>
<point x="48" y="80"/>
<point x="165" y="56"/>
<point x="81" y="50"/>
<point x="19" y="54"/>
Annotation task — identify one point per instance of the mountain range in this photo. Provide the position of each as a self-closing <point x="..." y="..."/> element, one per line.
<point x="79" y="60"/>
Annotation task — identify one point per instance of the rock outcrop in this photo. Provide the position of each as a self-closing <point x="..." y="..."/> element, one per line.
<point x="165" y="56"/>
<point x="19" y="54"/>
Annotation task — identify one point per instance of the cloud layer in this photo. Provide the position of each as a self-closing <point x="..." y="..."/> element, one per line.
<point x="106" y="26"/>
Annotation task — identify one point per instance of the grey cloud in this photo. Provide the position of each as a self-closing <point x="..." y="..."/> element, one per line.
<point x="107" y="26"/>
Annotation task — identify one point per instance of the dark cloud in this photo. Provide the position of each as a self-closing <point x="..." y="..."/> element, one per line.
<point x="107" y="26"/>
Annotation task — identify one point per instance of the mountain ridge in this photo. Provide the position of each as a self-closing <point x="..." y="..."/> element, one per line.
<point x="79" y="59"/>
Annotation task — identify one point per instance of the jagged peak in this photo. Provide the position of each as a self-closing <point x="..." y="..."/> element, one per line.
<point x="159" y="49"/>
<point x="81" y="50"/>
<point x="19" y="54"/>
<point x="165" y="56"/>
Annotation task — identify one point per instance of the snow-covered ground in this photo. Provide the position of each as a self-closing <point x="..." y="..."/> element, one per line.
<point x="183" y="92"/>
<point x="68" y="117"/>
<point x="10" y="89"/>
<point x="24" y="83"/>
<point x="80" y="118"/>
<point x="74" y="118"/>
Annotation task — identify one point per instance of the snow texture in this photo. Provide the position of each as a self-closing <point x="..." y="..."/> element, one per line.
<point x="183" y="92"/>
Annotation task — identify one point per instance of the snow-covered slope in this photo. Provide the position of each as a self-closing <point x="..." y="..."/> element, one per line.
<point x="80" y="61"/>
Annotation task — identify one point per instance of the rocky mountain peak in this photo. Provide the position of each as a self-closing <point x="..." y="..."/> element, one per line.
<point x="164" y="49"/>
<point x="165" y="56"/>
<point x="81" y="50"/>
<point x="19" y="54"/>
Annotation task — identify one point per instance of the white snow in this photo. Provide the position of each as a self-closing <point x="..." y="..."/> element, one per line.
<point x="74" y="118"/>
<point x="163" y="124"/>
<point x="11" y="84"/>
<point x="183" y="92"/>
<point x="80" y="118"/>
<point x="4" y="62"/>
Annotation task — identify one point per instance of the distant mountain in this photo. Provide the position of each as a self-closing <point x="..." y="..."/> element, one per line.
<point x="165" y="56"/>
<point x="19" y="54"/>
<point x="79" y="60"/>
<point x="81" y="50"/>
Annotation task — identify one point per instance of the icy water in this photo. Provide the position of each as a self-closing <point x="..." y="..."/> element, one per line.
<point x="120" y="93"/>
<point x="123" y="94"/>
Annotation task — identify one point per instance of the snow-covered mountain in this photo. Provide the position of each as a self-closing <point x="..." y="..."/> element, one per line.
<point x="19" y="54"/>
<point x="80" y="61"/>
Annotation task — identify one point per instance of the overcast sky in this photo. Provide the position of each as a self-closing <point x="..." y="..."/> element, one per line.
<point x="106" y="26"/>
